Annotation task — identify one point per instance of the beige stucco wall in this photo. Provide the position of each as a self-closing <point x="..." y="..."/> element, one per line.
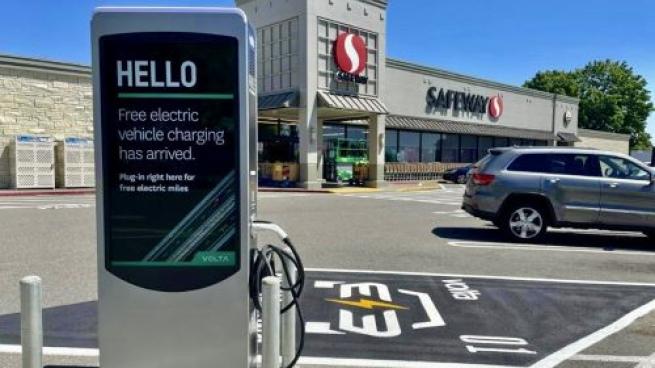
<point x="406" y="87"/>
<point x="606" y="141"/>
<point x="44" y="101"/>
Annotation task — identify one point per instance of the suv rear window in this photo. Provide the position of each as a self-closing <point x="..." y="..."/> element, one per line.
<point x="557" y="163"/>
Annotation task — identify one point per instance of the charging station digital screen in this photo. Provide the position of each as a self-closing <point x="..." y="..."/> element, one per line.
<point x="170" y="152"/>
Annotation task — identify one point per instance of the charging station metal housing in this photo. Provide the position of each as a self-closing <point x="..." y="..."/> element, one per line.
<point x="202" y="327"/>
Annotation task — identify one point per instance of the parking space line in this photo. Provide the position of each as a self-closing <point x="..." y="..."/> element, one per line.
<point x="571" y="350"/>
<point x="370" y="363"/>
<point x="545" y="248"/>
<point x="485" y="277"/>
<point x="568" y="352"/>
<point x="53" y="351"/>
<point x="608" y="358"/>
<point x="594" y="232"/>
<point x="648" y="362"/>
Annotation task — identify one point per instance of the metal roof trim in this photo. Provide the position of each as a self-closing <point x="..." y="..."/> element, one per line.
<point x="567" y="137"/>
<point x="281" y="100"/>
<point x="352" y="103"/>
<point x="455" y="127"/>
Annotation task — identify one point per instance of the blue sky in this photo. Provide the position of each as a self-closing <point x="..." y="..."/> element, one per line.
<point x="503" y="40"/>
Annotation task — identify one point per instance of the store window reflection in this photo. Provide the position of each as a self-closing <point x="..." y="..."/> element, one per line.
<point x="469" y="148"/>
<point x="430" y="147"/>
<point x="484" y="144"/>
<point x="450" y="148"/>
<point x="278" y="142"/>
<point x="409" y="146"/>
<point x="391" y="146"/>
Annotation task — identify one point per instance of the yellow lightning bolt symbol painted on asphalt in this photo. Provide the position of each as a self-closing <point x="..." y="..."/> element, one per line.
<point x="366" y="304"/>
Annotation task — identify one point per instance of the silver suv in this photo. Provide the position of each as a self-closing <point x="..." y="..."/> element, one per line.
<point x="524" y="190"/>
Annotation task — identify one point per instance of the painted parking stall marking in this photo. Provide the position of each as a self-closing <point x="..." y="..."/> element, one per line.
<point x="458" y="319"/>
<point x="548" y="248"/>
<point x="399" y="319"/>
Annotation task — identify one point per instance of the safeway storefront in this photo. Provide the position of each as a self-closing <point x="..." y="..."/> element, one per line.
<point x="331" y="100"/>
<point x="332" y="106"/>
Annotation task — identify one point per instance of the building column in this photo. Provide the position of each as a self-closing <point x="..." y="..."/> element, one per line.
<point x="320" y="152"/>
<point x="376" y="139"/>
<point x="308" y="135"/>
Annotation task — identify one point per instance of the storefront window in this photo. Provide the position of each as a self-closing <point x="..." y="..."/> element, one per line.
<point x="501" y="142"/>
<point x="514" y="142"/>
<point x="484" y="144"/>
<point x="469" y="148"/>
<point x="267" y="132"/>
<point x="356" y="132"/>
<point x="430" y="147"/>
<point x="391" y="145"/>
<point x="409" y="145"/>
<point x="450" y="148"/>
<point x="333" y="131"/>
<point x="278" y="142"/>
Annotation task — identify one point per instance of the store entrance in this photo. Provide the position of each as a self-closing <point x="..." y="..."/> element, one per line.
<point x="345" y="152"/>
<point x="278" y="147"/>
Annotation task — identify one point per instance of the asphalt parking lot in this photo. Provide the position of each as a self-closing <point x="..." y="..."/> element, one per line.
<point x="579" y="299"/>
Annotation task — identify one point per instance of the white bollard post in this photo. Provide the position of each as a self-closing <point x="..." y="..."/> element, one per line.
<point x="31" y="322"/>
<point x="288" y="333"/>
<point x="271" y="322"/>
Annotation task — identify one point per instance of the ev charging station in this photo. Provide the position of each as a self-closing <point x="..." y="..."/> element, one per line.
<point x="175" y="123"/>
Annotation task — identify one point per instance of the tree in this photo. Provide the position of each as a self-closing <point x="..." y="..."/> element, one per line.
<point x="613" y="98"/>
<point x="555" y="81"/>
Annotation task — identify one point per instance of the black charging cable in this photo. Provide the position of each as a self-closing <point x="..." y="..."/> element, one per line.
<point x="263" y="265"/>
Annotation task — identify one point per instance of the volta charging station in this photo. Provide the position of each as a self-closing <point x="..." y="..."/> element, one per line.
<point x="179" y="271"/>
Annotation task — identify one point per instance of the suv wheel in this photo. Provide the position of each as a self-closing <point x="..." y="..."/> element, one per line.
<point x="525" y="223"/>
<point x="461" y="179"/>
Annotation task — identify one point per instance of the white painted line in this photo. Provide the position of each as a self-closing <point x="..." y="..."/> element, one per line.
<point x="369" y="363"/>
<point x="52" y="351"/>
<point x="567" y="352"/>
<point x="608" y="358"/>
<point x="647" y="363"/>
<point x="548" y="248"/>
<point x="434" y="317"/>
<point x="321" y="328"/>
<point x="595" y="231"/>
<point x="485" y="277"/>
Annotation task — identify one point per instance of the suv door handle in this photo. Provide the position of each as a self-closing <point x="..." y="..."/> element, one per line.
<point x="554" y="181"/>
<point x="613" y="185"/>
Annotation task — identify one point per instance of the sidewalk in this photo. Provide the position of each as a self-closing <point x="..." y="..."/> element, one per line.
<point x="392" y="187"/>
<point x="38" y="192"/>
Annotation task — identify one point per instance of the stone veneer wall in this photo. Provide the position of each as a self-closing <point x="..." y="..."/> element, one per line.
<point x="44" y="98"/>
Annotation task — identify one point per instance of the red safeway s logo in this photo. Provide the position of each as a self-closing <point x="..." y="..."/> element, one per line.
<point x="495" y="107"/>
<point x="350" y="53"/>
